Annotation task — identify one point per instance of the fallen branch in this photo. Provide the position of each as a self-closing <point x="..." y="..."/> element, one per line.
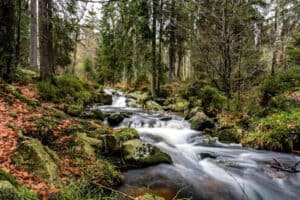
<point x="284" y="167"/>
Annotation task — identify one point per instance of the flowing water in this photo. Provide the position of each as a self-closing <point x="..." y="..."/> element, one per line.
<point x="203" y="168"/>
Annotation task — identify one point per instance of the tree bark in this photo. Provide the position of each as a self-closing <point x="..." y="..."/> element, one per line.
<point x="172" y="53"/>
<point x="46" y="39"/>
<point x="7" y="39"/>
<point x="33" y="34"/>
<point x="153" y="70"/>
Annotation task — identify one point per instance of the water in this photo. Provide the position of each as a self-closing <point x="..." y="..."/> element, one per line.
<point x="204" y="168"/>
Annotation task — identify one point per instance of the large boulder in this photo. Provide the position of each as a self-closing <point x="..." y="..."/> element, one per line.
<point x="37" y="160"/>
<point x="115" y="119"/>
<point x="102" y="98"/>
<point x="230" y="134"/>
<point x="200" y="121"/>
<point x="8" y="191"/>
<point x="138" y="153"/>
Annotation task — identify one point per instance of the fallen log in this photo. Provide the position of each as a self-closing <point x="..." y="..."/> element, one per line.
<point x="284" y="167"/>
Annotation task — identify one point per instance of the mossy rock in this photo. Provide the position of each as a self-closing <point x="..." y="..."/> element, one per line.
<point x="93" y="114"/>
<point x="230" y="135"/>
<point x="110" y="144"/>
<point x="5" y="176"/>
<point x="138" y="153"/>
<point x="74" y="109"/>
<point x="125" y="134"/>
<point x="149" y="196"/>
<point x="151" y="105"/>
<point x="201" y="121"/>
<point x="89" y="144"/>
<point x="34" y="158"/>
<point x="8" y="191"/>
<point x="115" y="119"/>
<point x="180" y="105"/>
<point x="102" y="98"/>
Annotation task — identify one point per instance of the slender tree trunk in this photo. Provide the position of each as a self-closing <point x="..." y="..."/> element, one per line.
<point x="7" y="39"/>
<point x="19" y="15"/>
<point x="277" y="39"/>
<point x="33" y="34"/>
<point x="75" y="52"/>
<point x="46" y="39"/>
<point x="153" y="70"/>
<point x="172" y="49"/>
<point x="160" y="65"/>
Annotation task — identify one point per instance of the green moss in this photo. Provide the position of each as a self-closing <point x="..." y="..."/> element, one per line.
<point x="48" y="91"/>
<point x="8" y="191"/>
<point x="74" y="109"/>
<point x="126" y="134"/>
<point x="278" y="132"/>
<point x="5" y="176"/>
<point x="21" y="97"/>
<point x="26" y="194"/>
<point x="212" y="100"/>
<point x="149" y="196"/>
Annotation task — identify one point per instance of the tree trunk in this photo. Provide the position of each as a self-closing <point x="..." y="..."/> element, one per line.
<point x="33" y="34"/>
<point x="45" y="38"/>
<point x="160" y="65"/>
<point x="19" y="16"/>
<point x="277" y="39"/>
<point x="172" y="53"/>
<point x="153" y="70"/>
<point x="7" y="39"/>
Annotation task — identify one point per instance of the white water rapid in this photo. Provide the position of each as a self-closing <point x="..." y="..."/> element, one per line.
<point x="204" y="168"/>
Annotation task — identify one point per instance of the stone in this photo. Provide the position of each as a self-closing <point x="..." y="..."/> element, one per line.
<point x="102" y="98"/>
<point x="8" y="191"/>
<point x="110" y="144"/>
<point x="230" y="135"/>
<point x="34" y="158"/>
<point x="93" y="114"/>
<point x="115" y="119"/>
<point x="149" y="196"/>
<point x="180" y="105"/>
<point x="138" y="153"/>
<point x="89" y="144"/>
<point x="201" y="121"/>
<point x="125" y="134"/>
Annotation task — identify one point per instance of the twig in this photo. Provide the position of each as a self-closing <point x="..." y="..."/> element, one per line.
<point x="178" y="192"/>
<point x="113" y="190"/>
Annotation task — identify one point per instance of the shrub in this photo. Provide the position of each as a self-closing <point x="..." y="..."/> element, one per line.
<point x="212" y="100"/>
<point x="279" y="132"/>
<point x="47" y="91"/>
<point x="276" y="85"/>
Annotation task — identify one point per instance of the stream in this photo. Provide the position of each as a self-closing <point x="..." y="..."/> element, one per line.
<point x="202" y="169"/>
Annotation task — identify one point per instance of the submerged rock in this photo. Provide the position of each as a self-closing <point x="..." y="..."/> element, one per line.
<point x="201" y="121"/>
<point x="36" y="159"/>
<point x="139" y="153"/>
<point x="149" y="196"/>
<point x="8" y="191"/>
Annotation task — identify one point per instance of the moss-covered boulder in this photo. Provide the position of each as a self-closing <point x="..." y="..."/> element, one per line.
<point x="8" y="191"/>
<point x="232" y="134"/>
<point x="36" y="159"/>
<point x="102" y="98"/>
<point x="115" y="119"/>
<point x="201" y="121"/>
<point x="5" y="176"/>
<point x="110" y="144"/>
<point x="180" y="105"/>
<point x="149" y="196"/>
<point x="125" y="134"/>
<point x="88" y="144"/>
<point x="93" y="114"/>
<point x="74" y="109"/>
<point x="138" y="153"/>
<point x="151" y="105"/>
